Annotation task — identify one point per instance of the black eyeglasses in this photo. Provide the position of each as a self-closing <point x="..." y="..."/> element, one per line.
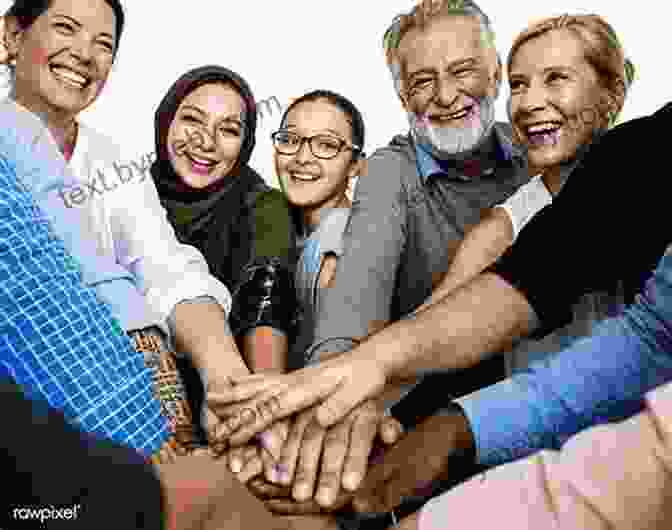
<point x="321" y="145"/>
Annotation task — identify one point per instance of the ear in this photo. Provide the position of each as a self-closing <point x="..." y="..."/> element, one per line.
<point x="498" y="75"/>
<point x="358" y="168"/>
<point x="12" y="36"/>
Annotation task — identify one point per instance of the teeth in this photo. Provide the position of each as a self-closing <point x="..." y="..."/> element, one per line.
<point x="460" y="114"/>
<point x="69" y="75"/>
<point x="543" y="127"/>
<point x="201" y="161"/>
<point x="455" y="116"/>
<point x="304" y="176"/>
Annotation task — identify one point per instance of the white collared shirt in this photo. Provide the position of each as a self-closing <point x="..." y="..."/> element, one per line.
<point x="120" y="209"/>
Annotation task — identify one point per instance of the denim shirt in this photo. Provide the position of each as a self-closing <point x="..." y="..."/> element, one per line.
<point x="599" y="378"/>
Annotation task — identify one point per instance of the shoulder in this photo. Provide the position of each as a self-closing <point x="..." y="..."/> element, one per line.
<point x="504" y="129"/>
<point x="330" y="232"/>
<point x="269" y="202"/>
<point x="388" y="173"/>
<point x="396" y="159"/>
<point x="336" y="220"/>
<point x="637" y="134"/>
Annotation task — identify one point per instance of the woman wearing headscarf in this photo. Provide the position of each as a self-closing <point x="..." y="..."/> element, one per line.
<point x="205" y="134"/>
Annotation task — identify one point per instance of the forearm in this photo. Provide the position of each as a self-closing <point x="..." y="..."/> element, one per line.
<point x="201" y="330"/>
<point x="393" y="391"/>
<point x="599" y="378"/>
<point x="265" y="349"/>
<point x="483" y="317"/>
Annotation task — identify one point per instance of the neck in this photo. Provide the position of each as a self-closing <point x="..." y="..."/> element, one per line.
<point x="62" y="125"/>
<point x="312" y="215"/>
<point x="553" y="180"/>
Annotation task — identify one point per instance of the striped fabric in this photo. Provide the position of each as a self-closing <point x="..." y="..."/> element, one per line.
<point x="58" y="340"/>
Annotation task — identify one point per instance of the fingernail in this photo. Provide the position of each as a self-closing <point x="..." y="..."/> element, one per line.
<point x="302" y="491"/>
<point x="351" y="481"/>
<point x="324" y="497"/>
<point x="236" y="466"/>
<point x="266" y="439"/>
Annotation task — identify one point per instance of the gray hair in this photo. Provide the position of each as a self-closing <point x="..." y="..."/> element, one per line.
<point x="419" y="15"/>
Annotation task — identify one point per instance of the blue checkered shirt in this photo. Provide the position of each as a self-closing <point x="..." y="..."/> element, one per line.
<point x="58" y="340"/>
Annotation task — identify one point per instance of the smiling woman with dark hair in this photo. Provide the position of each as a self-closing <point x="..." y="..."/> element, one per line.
<point x="60" y="54"/>
<point x="205" y="134"/>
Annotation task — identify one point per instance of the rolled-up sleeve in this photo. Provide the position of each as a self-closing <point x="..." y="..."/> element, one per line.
<point x="359" y="300"/>
<point x="168" y="272"/>
<point x="599" y="378"/>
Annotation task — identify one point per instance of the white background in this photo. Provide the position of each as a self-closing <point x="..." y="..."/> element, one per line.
<point x="285" y="49"/>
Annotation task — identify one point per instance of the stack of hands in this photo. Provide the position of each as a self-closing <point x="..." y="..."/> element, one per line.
<point x="318" y="439"/>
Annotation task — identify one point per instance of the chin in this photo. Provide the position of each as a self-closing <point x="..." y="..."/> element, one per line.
<point x="194" y="181"/>
<point x="72" y="104"/>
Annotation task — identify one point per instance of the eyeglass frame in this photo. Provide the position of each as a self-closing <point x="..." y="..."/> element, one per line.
<point x="309" y="139"/>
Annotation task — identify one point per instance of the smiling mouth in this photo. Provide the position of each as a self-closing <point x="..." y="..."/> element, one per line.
<point x="69" y="77"/>
<point x="303" y="177"/>
<point x="543" y="133"/>
<point x="200" y="165"/>
<point x="460" y="114"/>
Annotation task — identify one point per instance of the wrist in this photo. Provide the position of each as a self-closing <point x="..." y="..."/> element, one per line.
<point x="391" y="353"/>
<point x="464" y="443"/>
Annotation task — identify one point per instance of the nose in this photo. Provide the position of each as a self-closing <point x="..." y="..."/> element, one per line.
<point x="81" y="48"/>
<point x="199" y="139"/>
<point x="304" y="154"/>
<point x="446" y="92"/>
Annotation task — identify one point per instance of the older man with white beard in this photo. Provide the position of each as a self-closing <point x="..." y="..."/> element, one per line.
<point x="424" y="190"/>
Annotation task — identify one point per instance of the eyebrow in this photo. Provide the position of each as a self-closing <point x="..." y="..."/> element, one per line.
<point x="193" y="107"/>
<point x="234" y="120"/>
<point x="200" y="111"/>
<point x="332" y="131"/>
<point x="471" y="61"/>
<point x="547" y="70"/>
<point x="79" y="25"/>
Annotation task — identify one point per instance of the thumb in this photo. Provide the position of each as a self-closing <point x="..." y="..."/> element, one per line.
<point x="390" y="430"/>
<point x="210" y="421"/>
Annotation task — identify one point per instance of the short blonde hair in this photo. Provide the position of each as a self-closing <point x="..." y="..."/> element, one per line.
<point x="419" y="17"/>
<point x="603" y="51"/>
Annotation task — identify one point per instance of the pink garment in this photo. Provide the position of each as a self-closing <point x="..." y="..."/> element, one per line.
<point x="609" y="477"/>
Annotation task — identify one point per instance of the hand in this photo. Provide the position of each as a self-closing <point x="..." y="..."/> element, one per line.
<point x="269" y="446"/>
<point x="419" y="458"/>
<point x="344" y="449"/>
<point x="340" y="384"/>
<point x="200" y="493"/>
<point x="278" y="499"/>
<point x="250" y="460"/>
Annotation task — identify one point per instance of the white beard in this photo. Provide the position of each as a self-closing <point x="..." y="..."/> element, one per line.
<point x="451" y="142"/>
